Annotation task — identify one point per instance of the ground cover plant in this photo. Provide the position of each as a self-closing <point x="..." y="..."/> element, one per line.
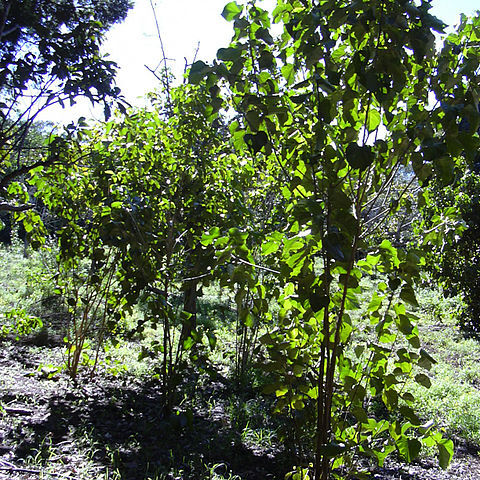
<point x="109" y="427"/>
<point x="229" y="302"/>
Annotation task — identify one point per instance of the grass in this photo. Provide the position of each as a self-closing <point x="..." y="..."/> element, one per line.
<point x="453" y="400"/>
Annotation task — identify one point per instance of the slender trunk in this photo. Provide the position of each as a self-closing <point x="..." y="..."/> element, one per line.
<point x="190" y="306"/>
<point x="190" y="295"/>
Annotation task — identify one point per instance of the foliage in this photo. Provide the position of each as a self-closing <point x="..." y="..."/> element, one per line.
<point x="90" y="303"/>
<point x="50" y="53"/>
<point x="19" y="323"/>
<point x="147" y="186"/>
<point x="336" y="105"/>
<point x="455" y="257"/>
<point x="450" y="213"/>
<point x="453" y="397"/>
<point x="286" y="209"/>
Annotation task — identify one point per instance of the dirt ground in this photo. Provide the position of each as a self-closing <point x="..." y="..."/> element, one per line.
<point x="50" y="429"/>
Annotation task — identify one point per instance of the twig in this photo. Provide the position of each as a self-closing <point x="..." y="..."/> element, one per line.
<point x="198" y="277"/>
<point x="165" y="78"/>
<point x="18" y="411"/>
<point x="241" y="260"/>
<point x="35" y="471"/>
<point x="15" y="208"/>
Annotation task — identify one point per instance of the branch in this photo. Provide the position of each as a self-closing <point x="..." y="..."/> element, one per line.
<point x="165" y="81"/>
<point x="18" y="411"/>
<point x="22" y="170"/>
<point x="4" y="18"/>
<point x="7" y="207"/>
<point x="241" y="260"/>
<point x="34" y="471"/>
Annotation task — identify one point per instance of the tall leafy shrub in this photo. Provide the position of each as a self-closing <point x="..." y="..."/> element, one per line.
<point x="332" y="108"/>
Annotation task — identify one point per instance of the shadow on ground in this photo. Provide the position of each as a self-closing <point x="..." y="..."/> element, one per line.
<point x="119" y="423"/>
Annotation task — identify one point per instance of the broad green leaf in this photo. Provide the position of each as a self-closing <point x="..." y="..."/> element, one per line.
<point x="188" y="343"/>
<point x="408" y="295"/>
<point x="288" y="73"/>
<point x="426" y="360"/>
<point x="264" y="34"/>
<point x="256" y="141"/>
<point x="281" y="391"/>
<point x="318" y="301"/>
<point x="359" y="157"/>
<point x="423" y="379"/>
<point x="208" y="238"/>
<point x="332" y="449"/>
<point x="197" y="72"/>
<point x="409" y="448"/>
<point x="373" y="120"/>
<point x="270" y="247"/>
<point x="445" y="453"/>
<point x="231" y="11"/>
<point x="229" y="54"/>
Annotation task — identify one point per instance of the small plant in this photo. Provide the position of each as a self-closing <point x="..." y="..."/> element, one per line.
<point x="49" y="371"/>
<point x="20" y="323"/>
<point x="92" y="304"/>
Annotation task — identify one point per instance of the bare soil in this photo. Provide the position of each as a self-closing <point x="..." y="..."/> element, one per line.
<point x="112" y="428"/>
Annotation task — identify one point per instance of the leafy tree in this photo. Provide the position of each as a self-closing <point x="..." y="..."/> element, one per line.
<point x="450" y="225"/>
<point x="50" y="53"/>
<point x="451" y="220"/>
<point x="146" y="187"/>
<point x="345" y="97"/>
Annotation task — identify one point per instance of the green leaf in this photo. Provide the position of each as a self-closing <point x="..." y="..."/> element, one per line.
<point x="373" y="120"/>
<point x="407" y="294"/>
<point x="360" y="414"/>
<point x="445" y="167"/>
<point x="423" y="379"/>
<point x="197" y="71"/>
<point x="390" y="398"/>
<point x="410" y="415"/>
<point x="409" y="448"/>
<point x="188" y="343"/>
<point x="264" y="34"/>
<point x="208" y="238"/>
<point x="318" y="301"/>
<point x="331" y="449"/>
<point x="212" y="340"/>
<point x="359" y="157"/>
<point x="426" y="361"/>
<point x="229" y="54"/>
<point x="281" y="391"/>
<point x="288" y="73"/>
<point x="256" y="141"/>
<point x="231" y="11"/>
<point x="266" y="60"/>
<point x="445" y="453"/>
<point x="253" y="119"/>
<point x="270" y="247"/>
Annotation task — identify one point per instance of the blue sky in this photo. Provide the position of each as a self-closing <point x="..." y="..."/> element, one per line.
<point x="184" y="25"/>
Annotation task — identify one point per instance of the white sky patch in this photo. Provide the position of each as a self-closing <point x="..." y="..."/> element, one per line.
<point x="184" y="24"/>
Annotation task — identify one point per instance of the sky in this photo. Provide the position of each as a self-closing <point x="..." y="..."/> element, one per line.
<point x="184" y="25"/>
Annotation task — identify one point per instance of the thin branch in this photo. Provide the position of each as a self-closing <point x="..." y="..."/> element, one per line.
<point x="390" y="210"/>
<point x="35" y="472"/>
<point x="241" y="260"/>
<point x="4" y="19"/>
<point x="193" y="61"/>
<point x="165" y="81"/>
<point x="191" y="279"/>
<point x="23" y="170"/>
<point x="7" y="207"/>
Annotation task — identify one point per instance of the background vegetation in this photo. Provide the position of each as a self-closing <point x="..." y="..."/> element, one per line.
<point x="242" y="254"/>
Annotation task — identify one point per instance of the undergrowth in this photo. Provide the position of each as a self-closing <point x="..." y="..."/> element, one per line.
<point x="453" y="401"/>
